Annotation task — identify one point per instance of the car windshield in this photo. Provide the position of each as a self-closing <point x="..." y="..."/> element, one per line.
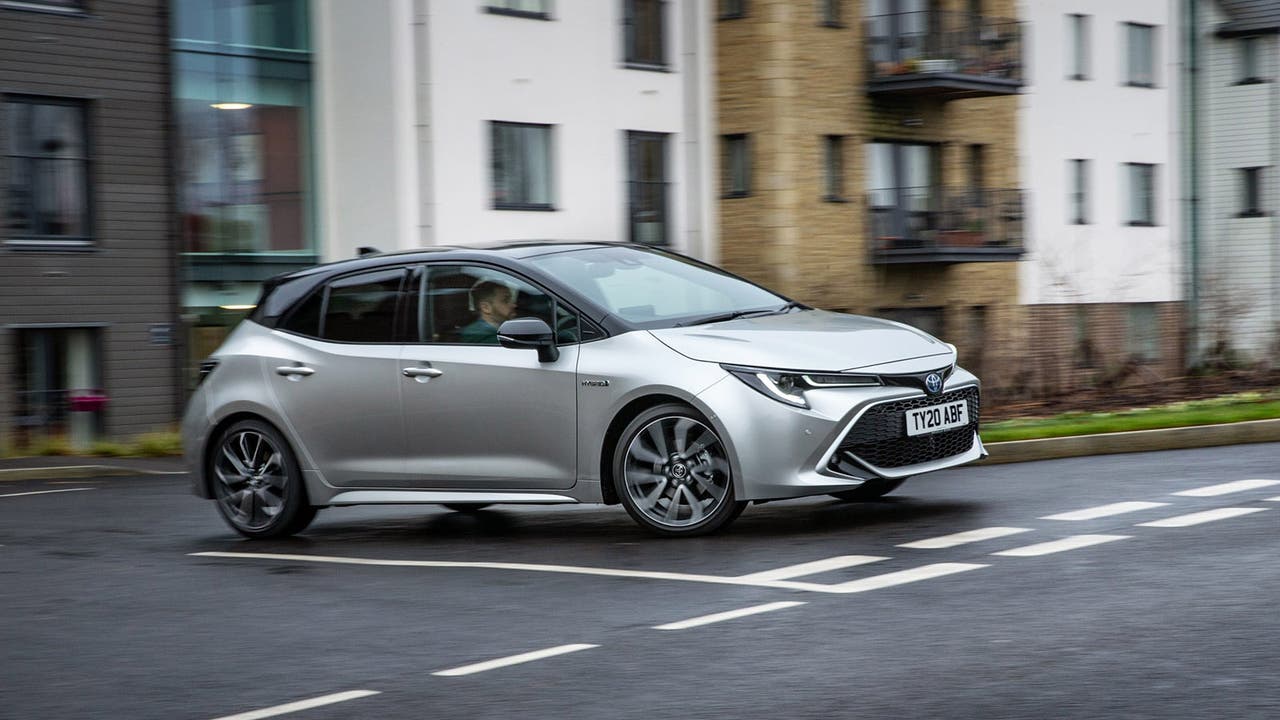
<point x="655" y="290"/>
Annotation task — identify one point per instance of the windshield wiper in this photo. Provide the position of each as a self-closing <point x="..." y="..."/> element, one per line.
<point x="734" y="315"/>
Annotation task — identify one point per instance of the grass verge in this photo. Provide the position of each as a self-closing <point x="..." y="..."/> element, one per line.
<point x="1213" y="411"/>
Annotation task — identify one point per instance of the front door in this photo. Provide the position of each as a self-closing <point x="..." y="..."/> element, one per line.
<point x="479" y="416"/>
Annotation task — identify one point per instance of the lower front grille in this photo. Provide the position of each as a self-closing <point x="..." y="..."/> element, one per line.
<point x="879" y="438"/>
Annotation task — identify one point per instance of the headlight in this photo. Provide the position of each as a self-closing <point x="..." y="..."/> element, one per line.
<point x="789" y="386"/>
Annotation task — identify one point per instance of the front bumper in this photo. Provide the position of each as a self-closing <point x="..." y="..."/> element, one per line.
<point x="783" y="451"/>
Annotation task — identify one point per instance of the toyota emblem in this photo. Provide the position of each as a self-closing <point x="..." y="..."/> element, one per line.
<point x="933" y="383"/>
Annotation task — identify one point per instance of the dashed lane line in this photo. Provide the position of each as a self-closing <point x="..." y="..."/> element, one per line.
<point x="812" y="568"/>
<point x="926" y="572"/>
<point x="1202" y="517"/>
<point x="1074" y="542"/>
<point x="512" y="660"/>
<point x="964" y="538"/>
<point x="1102" y="511"/>
<point x="44" y="492"/>
<point x="301" y="705"/>
<point x="729" y="615"/>
<point x="1274" y="499"/>
<point x="1225" y="488"/>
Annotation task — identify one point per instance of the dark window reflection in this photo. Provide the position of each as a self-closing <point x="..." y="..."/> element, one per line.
<point x="47" y="195"/>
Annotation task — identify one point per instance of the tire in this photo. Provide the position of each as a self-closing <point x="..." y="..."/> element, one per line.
<point x="870" y="490"/>
<point x="466" y="507"/>
<point x="672" y="473"/>
<point x="256" y="482"/>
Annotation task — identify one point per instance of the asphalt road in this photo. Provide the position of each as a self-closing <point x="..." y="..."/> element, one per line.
<point x="110" y="610"/>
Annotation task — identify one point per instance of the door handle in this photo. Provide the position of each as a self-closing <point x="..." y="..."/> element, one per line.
<point x="295" y="370"/>
<point x="422" y="372"/>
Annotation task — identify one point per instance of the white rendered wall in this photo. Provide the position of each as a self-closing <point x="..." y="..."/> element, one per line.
<point x="1240" y="256"/>
<point x="1108" y="123"/>
<point x="407" y="89"/>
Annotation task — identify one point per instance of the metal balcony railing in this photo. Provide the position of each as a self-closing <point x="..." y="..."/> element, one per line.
<point x="919" y="52"/>
<point x="931" y="225"/>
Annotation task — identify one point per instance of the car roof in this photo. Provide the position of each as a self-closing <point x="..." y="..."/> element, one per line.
<point x="515" y="250"/>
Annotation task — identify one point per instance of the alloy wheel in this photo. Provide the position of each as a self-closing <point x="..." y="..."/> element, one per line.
<point x="251" y="479"/>
<point x="676" y="472"/>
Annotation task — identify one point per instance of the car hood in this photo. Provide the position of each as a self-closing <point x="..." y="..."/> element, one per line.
<point x="808" y="340"/>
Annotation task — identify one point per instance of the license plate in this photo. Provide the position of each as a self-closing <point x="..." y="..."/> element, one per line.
<point x="938" y="418"/>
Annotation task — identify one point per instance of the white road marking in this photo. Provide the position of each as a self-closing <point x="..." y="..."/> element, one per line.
<point x="1202" y="517"/>
<point x="963" y="538"/>
<point x="1223" y="489"/>
<point x="810" y="568"/>
<point x="513" y="660"/>
<point x="730" y="615"/>
<point x="45" y="492"/>
<point x="301" y="705"/>
<point x="926" y="572"/>
<point x="1274" y="499"/>
<point x="863" y="585"/>
<point x="1055" y="546"/>
<point x="1101" y="511"/>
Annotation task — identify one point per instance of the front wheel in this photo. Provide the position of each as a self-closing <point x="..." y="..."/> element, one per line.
<point x="870" y="490"/>
<point x="256" y="482"/>
<point x="672" y="473"/>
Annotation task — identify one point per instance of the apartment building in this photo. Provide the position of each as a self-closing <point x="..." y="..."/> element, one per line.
<point x="1235" y="153"/>
<point x="1098" y="123"/>
<point x="88" y="313"/>
<point x="514" y="120"/>
<point x="869" y="162"/>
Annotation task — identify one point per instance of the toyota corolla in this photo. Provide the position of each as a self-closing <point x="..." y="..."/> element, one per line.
<point x="542" y="373"/>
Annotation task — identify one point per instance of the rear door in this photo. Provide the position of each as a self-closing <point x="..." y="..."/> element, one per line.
<point x="479" y="416"/>
<point x="335" y="373"/>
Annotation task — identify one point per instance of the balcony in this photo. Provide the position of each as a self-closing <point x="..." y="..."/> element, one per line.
<point x="944" y="55"/>
<point x="926" y="225"/>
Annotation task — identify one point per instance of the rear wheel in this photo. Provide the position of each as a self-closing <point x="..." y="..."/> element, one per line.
<point x="256" y="482"/>
<point x="672" y="473"/>
<point x="870" y="490"/>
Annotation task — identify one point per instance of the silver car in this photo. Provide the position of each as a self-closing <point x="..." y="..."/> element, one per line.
<point x="544" y="373"/>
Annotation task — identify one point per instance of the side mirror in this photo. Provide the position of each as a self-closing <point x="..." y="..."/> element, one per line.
<point x="526" y="333"/>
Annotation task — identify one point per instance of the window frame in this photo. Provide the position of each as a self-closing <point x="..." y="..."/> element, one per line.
<point x="492" y="8"/>
<point x="1250" y="57"/>
<point x="1252" y="182"/>
<point x="1130" y="77"/>
<point x="1132" y="171"/>
<point x="834" y="186"/>
<point x="495" y="204"/>
<point x="728" y="143"/>
<point x="732" y="9"/>
<point x="1078" y="195"/>
<point x="630" y="38"/>
<point x="634" y="140"/>
<point x="831" y="13"/>
<point x="1079" y="45"/>
<point x="1137" y="337"/>
<point x="18" y="240"/>
<point x="323" y="290"/>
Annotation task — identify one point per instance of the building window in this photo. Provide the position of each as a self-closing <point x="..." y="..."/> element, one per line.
<point x="831" y="13"/>
<point x="521" y="166"/>
<point x="536" y="9"/>
<point x="1251" y="192"/>
<point x="1079" y="198"/>
<point x="647" y="185"/>
<point x="1142" y="193"/>
<point x="833" y="163"/>
<point x="903" y="191"/>
<point x="1078" y="47"/>
<point x="733" y="9"/>
<point x="735" y="160"/>
<point x="645" y="34"/>
<point x="59" y="384"/>
<point x="1144" y="332"/>
<point x="929" y="319"/>
<point x="47" y="154"/>
<point x="1250" y="70"/>
<point x="1141" y="55"/>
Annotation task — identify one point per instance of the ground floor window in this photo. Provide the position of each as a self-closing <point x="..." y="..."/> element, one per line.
<point x="59" y="384"/>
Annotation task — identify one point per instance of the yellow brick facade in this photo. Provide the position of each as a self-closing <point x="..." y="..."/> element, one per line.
<point x="787" y="80"/>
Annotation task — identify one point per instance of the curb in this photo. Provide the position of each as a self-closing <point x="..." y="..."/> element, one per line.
<point x="1195" y="436"/>
<point x="79" y="472"/>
